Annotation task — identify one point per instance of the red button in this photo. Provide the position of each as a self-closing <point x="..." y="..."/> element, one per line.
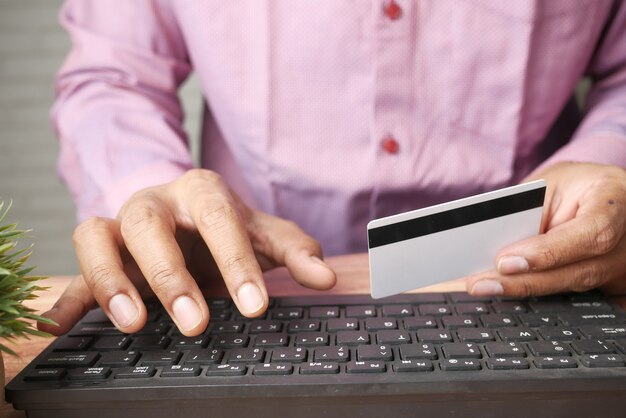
<point x="390" y="145"/>
<point x="392" y="10"/>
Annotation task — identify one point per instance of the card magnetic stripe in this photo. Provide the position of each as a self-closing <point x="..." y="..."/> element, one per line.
<point x="455" y="218"/>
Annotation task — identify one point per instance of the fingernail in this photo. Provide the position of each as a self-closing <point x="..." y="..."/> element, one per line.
<point x="318" y="260"/>
<point x="250" y="298"/>
<point x="187" y="313"/>
<point x="50" y="314"/>
<point x="511" y="264"/>
<point x="487" y="288"/>
<point x="123" y="310"/>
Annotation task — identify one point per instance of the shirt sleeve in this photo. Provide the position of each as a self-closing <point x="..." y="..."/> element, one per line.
<point x="117" y="113"/>
<point x="601" y="136"/>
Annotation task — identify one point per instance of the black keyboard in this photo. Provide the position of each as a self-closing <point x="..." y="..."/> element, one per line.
<point x="420" y="354"/>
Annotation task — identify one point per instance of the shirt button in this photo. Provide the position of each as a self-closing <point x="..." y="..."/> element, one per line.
<point x="392" y="10"/>
<point x="390" y="145"/>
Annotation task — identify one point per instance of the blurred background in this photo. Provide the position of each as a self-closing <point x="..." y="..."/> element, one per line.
<point x="32" y="48"/>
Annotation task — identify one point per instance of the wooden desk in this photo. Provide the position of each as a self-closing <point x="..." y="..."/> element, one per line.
<point x="353" y="277"/>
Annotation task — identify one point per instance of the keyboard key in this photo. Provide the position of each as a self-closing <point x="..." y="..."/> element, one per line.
<point x="191" y="342"/>
<point x="265" y="325"/>
<point x="461" y="297"/>
<point x="393" y="337"/>
<point x="347" y="324"/>
<point x="461" y="350"/>
<point x="332" y="354"/>
<point x="353" y="337"/>
<point x="593" y="347"/>
<point x="291" y="354"/>
<point x="379" y="324"/>
<point x="547" y="306"/>
<point x="602" y="360"/>
<point x="418" y="352"/>
<point x="517" y="334"/>
<point x="590" y="318"/>
<point x="367" y="311"/>
<point x="177" y="370"/>
<point x="220" y="327"/>
<point x="509" y="307"/>
<point x="498" y="320"/>
<point x="157" y="328"/>
<point x="548" y="348"/>
<point x="471" y="309"/>
<point x="555" y="362"/>
<point x="227" y="370"/>
<point x="397" y="311"/>
<point x="231" y="340"/>
<point x="113" y="342"/>
<point x="287" y="313"/>
<point x="505" y="363"/>
<point x="438" y="309"/>
<point x="505" y="349"/>
<point x="204" y="356"/>
<point x="151" y="342"/>
<point x="456" y="322"/>
<point x="160" y="358"/>
<point x="621" y="344"/>
<point x="608" y="332"/>
<point x="366" y="367"/>
<point x="435" y="335"/>
<point x="94" y="330"/>
<point x="413" y="366"/>
<point x="324" y="312"/>
<point x="312" y="339"/>
<point x="246" y="355"/>
<point x="135" y="372"/>
<point x="66" y="343"/>
<point x="119" y="358"/>
<point x="271" y="340"/>
<point x="272" y="369"/>
<point x="89" y="373"/>
<point x="44" y="374"/>
<point x="558" y="333"/>
<point x="475" y="335"/>
<point x="304" y="325"/>
<point x="319" y="368"/>
<point x="538" y="320"/>
<point x="374" y="352"/>
<point x="453" y="364"/>
<point x="421" y="322"/>
<point x="69" y="359"/>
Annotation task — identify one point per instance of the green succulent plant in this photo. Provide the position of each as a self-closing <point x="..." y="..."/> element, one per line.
<point x="16" y="285"/>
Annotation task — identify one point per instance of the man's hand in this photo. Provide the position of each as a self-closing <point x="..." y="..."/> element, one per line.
<point x="166" y="235"/>
<point x="583" y="240"/>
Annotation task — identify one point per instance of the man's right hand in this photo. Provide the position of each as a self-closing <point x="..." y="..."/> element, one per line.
<point x="162" y="235"/>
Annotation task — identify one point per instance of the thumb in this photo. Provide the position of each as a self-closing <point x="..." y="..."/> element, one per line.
<point x="284" y="243"/>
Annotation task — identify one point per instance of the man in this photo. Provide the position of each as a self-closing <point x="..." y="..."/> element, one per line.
<point x="322" y="115"/>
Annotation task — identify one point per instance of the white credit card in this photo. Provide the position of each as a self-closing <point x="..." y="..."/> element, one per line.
<point x="451" y="240"/>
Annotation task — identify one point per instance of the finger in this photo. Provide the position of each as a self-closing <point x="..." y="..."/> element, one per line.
<point x="148" y="228"/>
<point x="97" y="242"/>
<point x="578" y="277"/>
<point x="213" y="211"/>
<point x="286" y="244"/>
<point x="596" y="229"/>
<point x="73" y="304"/>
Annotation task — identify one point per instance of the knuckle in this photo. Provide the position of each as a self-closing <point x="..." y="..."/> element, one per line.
<point x="87" y="228"/>
<point x="590" y="277"/>
<point x="204" y="176"/>
<point x="139" y="218"/>
<point x="235" y="262"/>
<point x="526" y="288"/>
<point x="162" y="275"/>
<point x="605" y="236"/>
<point x="100" y="277"/>
<point x="217" y="214"/>
<point x="550" y="256"/>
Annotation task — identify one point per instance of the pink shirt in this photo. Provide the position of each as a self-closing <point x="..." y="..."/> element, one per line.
<point x="332" y="113"/>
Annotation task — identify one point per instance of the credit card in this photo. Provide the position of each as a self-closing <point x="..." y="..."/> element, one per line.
<point x="450" y="240"/>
